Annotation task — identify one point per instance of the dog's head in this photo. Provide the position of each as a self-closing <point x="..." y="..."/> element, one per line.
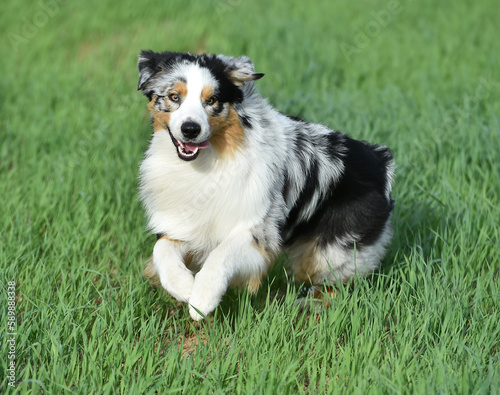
<point x="193" y="98"/>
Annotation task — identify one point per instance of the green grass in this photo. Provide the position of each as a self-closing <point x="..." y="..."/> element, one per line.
<point x="73" y="130"/>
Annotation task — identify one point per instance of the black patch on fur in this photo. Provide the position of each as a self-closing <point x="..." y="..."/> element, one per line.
<point x="245" y="121"/>
<point x="335" y="140"/>
<point x="355" y="205"/>
<point x="218" y="109"/>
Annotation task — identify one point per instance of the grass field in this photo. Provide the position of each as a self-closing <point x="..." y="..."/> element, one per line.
<point x="422" y="77"/>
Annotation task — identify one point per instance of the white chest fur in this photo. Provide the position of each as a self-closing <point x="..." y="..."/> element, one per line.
<point x="203" y="201"/>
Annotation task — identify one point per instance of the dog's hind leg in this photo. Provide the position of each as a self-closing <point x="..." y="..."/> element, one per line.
<point x="335" y="263"/>
<point x="323" y="268"/>
<point x="322" y="265"/>
<point x="168" y="263"/>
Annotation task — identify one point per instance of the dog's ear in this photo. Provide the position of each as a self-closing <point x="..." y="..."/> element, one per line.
<point x="151" y="63"/>
<point x="148" y="66"/>
<point x="240" y="70"/>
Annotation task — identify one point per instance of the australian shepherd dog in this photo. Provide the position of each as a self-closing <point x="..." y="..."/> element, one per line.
<point x="229" y="183"/>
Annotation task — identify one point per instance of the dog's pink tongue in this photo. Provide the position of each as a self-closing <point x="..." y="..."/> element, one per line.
<point x="192" y="147"/>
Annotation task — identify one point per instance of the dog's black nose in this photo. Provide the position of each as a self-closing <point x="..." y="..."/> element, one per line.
<point x="190" y="129"/>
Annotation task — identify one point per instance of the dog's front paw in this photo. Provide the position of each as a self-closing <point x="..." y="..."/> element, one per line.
<point x="180" y="285"/>
<point x="196" y="314"/>
<point x="206" y="296"/>
<point x="201" y="305"/>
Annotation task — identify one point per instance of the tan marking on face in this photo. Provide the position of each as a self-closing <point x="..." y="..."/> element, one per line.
<point x="228" y="136"/>
<point x="180" y="88"/>
<point x="206" y="93"/>
<point x="161" y="119"/>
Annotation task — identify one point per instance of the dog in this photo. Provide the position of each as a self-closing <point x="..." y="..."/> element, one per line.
<point x="229" y="183"/>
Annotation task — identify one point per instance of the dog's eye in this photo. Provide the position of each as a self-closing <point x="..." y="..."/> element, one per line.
<point x="211" y="101"/>
<point x="174" y="97"/>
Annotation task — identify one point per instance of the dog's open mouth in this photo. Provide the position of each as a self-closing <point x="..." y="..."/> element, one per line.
<point x="188" y="151"/>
